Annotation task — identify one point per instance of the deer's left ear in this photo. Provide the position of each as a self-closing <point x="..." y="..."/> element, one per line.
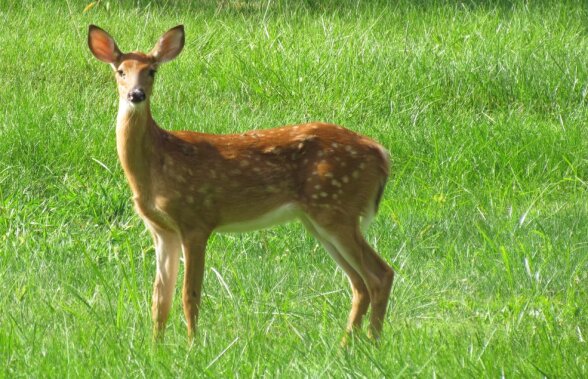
<point x="169" y="45"/>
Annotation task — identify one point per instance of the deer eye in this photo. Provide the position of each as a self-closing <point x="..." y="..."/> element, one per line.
<point x="152" y="73"/>
<point x="120" y="73"/>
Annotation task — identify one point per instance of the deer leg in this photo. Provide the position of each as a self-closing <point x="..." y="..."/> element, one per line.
<point x="376" y="274"/>
<point x="380" y="292"/>
<point x="194" y="252"/>
<point x="361" y="298"/>
<point x="167" y="249"/>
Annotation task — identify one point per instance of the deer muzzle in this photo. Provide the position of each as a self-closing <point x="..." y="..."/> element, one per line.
<point x="136" y="95"/>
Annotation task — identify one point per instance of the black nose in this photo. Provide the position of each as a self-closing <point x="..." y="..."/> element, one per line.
<point x="136" y="96"/>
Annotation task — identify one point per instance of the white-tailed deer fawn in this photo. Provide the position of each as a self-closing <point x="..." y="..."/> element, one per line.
<point x="187" y="185"/>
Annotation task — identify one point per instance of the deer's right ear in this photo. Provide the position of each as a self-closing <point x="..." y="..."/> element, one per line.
<point x="102" y="45"/>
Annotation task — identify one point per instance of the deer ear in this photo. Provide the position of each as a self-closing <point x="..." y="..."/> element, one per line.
<point x="102" y="45"/>
<point x="169" y="45"/>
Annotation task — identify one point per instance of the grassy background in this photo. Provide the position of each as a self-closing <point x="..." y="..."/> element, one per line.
<point x="483" y="108"/>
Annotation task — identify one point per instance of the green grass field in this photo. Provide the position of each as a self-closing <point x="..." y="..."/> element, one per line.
<point x="483" y="108"/>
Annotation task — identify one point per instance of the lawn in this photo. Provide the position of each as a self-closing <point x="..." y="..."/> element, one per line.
<point x="482" y="106"/>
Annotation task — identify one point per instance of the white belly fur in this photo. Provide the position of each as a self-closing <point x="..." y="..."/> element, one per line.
<point x="280" y="215"/>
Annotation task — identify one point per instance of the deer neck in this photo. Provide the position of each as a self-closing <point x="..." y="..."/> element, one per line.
<point x="135" y="134"/>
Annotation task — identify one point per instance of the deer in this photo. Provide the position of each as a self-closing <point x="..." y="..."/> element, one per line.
<point x="187" y="185"/>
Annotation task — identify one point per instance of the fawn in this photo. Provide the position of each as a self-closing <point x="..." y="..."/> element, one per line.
<point x="187" y="185"/>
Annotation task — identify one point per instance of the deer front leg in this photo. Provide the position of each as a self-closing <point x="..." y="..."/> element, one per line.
<point x="194" y="252"/>
<point x="167" y="249"/>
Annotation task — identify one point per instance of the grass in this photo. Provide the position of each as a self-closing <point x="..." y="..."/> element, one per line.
<point x="482" y="106"/>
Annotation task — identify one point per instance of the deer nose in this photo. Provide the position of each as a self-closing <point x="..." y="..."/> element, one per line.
<point x="136" y="96"/>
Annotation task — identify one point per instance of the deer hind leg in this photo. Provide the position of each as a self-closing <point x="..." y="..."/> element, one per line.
<point x="194" y="247"/>
<point x="167" y="249"/>
<point x="377" y="275"/>
<point x="361" y="298"/>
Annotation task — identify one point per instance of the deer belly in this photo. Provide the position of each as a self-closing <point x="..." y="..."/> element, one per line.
<point x="276" y="216"/>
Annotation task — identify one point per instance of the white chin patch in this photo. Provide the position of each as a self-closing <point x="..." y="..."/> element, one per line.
<point x="130" y="106"/>
<point x="137" y="105"/>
